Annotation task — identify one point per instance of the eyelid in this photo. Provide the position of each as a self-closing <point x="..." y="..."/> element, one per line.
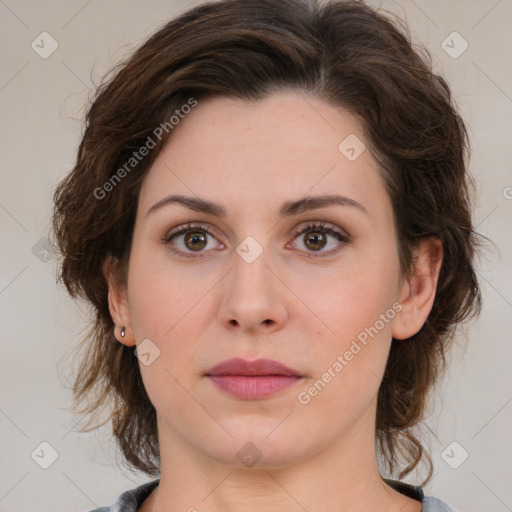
<point x="188" y="226"/>
<point x="328" y="226"/>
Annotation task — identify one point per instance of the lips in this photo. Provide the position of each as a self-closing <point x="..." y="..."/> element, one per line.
<point x="251" y="380"/>
<point x="259" y="367"/>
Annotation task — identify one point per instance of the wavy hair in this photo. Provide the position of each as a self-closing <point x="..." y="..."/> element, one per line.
<point x="344" y="53"/>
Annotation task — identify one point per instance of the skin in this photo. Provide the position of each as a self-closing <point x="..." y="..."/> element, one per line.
<point x="299" y="310"/>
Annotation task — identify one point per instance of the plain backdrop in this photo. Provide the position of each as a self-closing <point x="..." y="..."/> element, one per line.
<point x="42" y="103"/>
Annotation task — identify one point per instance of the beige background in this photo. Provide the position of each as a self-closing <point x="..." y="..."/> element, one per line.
<point x="41" y="102"/>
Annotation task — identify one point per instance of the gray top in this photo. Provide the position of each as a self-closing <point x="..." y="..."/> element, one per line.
<point x="130" y="501"/>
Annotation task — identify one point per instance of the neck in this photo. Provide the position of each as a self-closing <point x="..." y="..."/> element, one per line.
<point x="342" y="477"/>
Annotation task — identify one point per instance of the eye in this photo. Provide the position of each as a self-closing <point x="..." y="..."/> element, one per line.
<point x="316" y="237"/>
<point x="187" y="239"/>
<point x="192" y="238"/>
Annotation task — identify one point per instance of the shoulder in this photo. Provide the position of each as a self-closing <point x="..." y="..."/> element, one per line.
<point x="131" y="500"/>
<point x="428" y="503"/>
<point x="431" y="504"/>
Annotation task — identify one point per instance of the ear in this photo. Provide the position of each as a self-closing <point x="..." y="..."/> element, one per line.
<point x="118" y="302"/>
<point x="418" y="292"/>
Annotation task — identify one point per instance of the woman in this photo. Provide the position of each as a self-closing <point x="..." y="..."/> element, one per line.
<point x="270" y="216"/>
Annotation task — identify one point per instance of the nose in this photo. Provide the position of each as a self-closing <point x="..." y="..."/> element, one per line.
<point x="253" y="297"/>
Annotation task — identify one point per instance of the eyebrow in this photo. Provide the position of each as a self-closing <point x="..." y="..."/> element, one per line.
<point x="287" y="209"/>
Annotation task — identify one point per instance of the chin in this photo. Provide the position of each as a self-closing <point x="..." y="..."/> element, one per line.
<point x="253" y="448"/>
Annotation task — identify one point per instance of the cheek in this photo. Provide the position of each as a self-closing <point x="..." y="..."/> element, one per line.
<point x="165" y="299"/>
<point x="349" y="364"/>
<point x="171" y="310"/>
<point x="354" y="312"/>
<point x="351" y="298"/>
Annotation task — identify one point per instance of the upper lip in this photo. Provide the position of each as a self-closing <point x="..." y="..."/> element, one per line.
<point x="238" y="366"/>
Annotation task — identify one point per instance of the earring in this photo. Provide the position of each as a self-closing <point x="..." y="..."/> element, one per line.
<point x="123" y="331"/>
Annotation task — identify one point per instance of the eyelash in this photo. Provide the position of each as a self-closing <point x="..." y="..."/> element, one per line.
<point x="313" y="226"/>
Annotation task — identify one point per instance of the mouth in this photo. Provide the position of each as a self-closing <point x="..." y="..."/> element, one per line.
<point x="252" y="380"/>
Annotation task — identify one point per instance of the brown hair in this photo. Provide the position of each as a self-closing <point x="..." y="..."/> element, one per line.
<point x="346" y="54"/>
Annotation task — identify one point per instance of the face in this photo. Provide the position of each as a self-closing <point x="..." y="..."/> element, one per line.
<point x="312" y="286"/>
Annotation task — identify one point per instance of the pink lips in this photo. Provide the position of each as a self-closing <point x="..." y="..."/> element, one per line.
<point x="251" y="380"/>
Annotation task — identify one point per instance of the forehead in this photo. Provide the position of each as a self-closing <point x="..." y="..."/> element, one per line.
<point x="245" y="153"/>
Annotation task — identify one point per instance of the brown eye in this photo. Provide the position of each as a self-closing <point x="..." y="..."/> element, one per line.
<point x="315" y="240"/>
<point x="318" y="239"/>
<point x="191" y="241"/>
<point x="195" y="240"/>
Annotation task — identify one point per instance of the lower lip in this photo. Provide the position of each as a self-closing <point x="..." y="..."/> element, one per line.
<point x="253" y="387"/>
